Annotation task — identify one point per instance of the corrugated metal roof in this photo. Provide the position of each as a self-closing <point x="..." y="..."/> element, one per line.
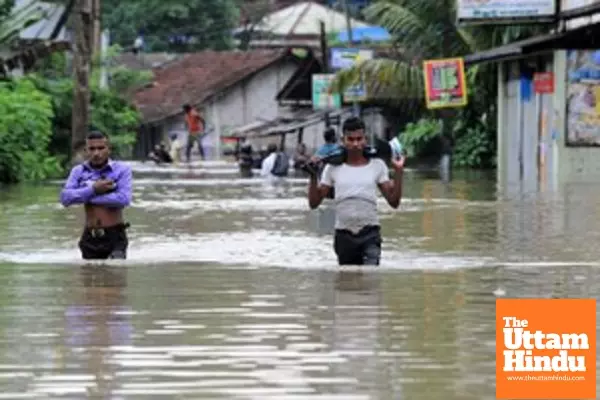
<point x="44" y="27"/>
<point x="304" y="19"/>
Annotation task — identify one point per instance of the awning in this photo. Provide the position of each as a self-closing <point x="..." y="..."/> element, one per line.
<point x="312" y="119"/>
<point x="585" y="37"/>
<point x="241" y="131"/>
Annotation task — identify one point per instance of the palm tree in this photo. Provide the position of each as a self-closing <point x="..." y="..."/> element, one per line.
<point x="15" y="20"/>
<point x="421" y="30"/>
<point x="426" y="29"/>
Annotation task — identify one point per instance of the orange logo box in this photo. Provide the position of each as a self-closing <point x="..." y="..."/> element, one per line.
<point x="546" y="348"/>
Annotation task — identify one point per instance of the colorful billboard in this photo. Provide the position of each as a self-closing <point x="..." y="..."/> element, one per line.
<point x="445" y="83"/>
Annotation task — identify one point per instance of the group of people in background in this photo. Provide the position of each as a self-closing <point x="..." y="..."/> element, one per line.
<point x="272" y="161"/>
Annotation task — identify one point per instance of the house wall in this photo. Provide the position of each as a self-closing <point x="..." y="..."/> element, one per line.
<point x="255" y="99"/>
<point x="250" y="100"/>
<point x="533" y="148"/>
<point x="577" y="164"/>
<point x="524" y="139"/>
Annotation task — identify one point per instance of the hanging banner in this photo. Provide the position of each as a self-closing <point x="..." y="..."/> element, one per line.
<point x="445" y="83"/>
<point x="505" y="11"/>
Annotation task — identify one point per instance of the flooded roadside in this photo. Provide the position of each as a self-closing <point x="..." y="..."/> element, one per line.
<point x="232" y="291"/>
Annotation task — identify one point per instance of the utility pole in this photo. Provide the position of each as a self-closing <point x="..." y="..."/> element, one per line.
<point x="355" y="105"/>
<point x="324" y="61"/>
<point x="82" y="52"/>
<point x="97" y="28"/>
<point x="348" y="23"/>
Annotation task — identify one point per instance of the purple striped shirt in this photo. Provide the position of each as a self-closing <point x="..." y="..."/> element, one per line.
<point x="78" y="188"/>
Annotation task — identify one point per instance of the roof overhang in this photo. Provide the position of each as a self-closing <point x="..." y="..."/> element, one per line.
<point x="584" y="37"/>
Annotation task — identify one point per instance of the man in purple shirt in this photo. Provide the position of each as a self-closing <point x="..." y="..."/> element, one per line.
<point x="103" y="186"/>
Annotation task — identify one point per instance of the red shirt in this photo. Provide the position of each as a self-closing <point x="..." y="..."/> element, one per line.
<point x="194" y="122"/>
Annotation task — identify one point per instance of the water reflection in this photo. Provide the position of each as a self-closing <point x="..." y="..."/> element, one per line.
<point x="97" y="319"/>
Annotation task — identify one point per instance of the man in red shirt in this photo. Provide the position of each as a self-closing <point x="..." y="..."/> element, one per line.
<point x="195" y="125"/>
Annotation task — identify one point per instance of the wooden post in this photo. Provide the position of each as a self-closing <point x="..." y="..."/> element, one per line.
<point x="97" y="28"/>
<point x="324" y="60"/>
<point x="81" y="75"/>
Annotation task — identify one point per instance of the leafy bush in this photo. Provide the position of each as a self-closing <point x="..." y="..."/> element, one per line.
<point x="416" y="137"/>
<point x="475" y="145"/>
<point x="111" y="114"/>
<point x="25" y="131"/>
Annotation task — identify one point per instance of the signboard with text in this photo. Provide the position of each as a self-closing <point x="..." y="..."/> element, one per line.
<point x="543" y="82"/>
<point x="345" y="58"/>
<point x="505" y="11"/>
<point x="322" y="99"/>
<point x="445" y="83"/>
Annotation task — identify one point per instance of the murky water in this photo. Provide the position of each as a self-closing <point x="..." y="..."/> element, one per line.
<point x="232" y="290"/>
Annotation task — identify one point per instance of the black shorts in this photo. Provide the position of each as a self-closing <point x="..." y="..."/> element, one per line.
<point x="104" y="243"/>
<point x="362" y="248"/>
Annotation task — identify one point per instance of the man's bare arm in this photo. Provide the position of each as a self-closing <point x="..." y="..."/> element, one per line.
<point x="392" y="189"/>
<point x="316" y="192"/>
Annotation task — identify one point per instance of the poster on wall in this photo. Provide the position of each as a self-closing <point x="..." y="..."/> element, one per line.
<point x="321" y="97"/>
<point x="583" y="98"/>
<point x="505" y="11"/>
<point x="445" y="83"/>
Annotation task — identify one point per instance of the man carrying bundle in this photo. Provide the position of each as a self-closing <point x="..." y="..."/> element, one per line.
<point x="355" y="180"/>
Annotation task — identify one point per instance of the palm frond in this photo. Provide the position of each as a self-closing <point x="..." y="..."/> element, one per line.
<point x="385" y="79"/>
<point x="19" y="19"/>
<point x="398" y="20"/>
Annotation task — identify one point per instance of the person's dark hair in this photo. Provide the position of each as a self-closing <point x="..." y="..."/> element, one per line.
<point x="272" y="147"/>
<point x="352" y="124"/>
<point x="187" y="107"/>
<point x="329" y="135"/>
<point x="94" y="135"/>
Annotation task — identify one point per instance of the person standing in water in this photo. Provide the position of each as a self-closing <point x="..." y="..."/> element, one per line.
<point x="357" y="237"/>
<point x="104" y="187"/>
<point x="195" y="125"/>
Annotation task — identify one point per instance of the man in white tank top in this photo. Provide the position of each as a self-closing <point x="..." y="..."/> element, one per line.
<point x="357" y="239"/>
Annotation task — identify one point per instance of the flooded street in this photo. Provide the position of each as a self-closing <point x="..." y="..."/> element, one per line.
<point x="232" y="291"/>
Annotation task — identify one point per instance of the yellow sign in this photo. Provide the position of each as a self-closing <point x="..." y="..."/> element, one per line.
<point x="445" y="83"/>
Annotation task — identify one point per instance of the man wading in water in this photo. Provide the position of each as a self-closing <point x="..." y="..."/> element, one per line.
<point x="357" y="239"/>
<point x="104" y="187"/>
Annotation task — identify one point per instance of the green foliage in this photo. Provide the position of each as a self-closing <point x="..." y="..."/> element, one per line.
<point x="5" y="7"/>
<point x="14" y="20"/>
<point x="121" y="79"/>
<point x="475" y="145"/>
<point x="111" y="111"/>
<point x="172" y="26"/>
<point x="417" y="136"/>
<point x="111" y="114"/>
<point x="25" y="132"/>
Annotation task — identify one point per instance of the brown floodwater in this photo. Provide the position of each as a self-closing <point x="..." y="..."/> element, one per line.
<point x="231" y="290"/>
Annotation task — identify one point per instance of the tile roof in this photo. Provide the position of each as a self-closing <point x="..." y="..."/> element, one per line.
<point x="196" y="76"/>
<point x="145" y="61"/>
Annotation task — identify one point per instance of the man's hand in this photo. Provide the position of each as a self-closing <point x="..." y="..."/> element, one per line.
<point x="103" y="186"/>
<point x="398" y="163"/>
